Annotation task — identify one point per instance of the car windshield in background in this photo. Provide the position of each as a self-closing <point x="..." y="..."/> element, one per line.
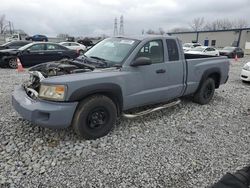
<point x="114" y="50"/>
<point x="229" y="48"/>
<point x="199" y="49"/>
<point x="187" y="45"/>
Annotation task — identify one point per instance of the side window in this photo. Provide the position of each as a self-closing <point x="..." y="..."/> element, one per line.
<point x="54" y="47"/>
<point x="152" y="50"/>
<point x="37" y="47"/>
<point x="66" y="44"/>
<point x="173" y="52"/>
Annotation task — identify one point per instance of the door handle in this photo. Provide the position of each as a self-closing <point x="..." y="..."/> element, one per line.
<point x="59" y="52"/>
<point x="41" y="53"/>
<point x="160" y="71"/>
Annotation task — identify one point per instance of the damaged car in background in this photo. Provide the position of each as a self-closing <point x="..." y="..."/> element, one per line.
<point x="116" y="75"/>
<point x="35" y="53"/>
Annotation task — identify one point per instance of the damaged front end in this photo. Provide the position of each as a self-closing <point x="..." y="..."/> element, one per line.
<point x="50" y="69"/>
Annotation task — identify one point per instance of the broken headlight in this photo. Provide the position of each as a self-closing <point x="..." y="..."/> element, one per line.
<point x="52" y="92"/>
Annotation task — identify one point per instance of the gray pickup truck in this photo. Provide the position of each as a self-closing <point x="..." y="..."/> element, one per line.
<point x="116" y="75"/>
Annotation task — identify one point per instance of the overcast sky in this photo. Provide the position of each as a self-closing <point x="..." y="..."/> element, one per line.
<point x="95" y="17"/>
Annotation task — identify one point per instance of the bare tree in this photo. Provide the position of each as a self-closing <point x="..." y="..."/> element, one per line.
<point x="197" y="24"/>
<point x="63" y="35"/>
<point x="220" y="24"/>
<point x="240" y="23"/>
<point x="2" y="23"/>
<point x="161" y="31"/>
<point x="179" y="29"/>
<point x="150" y="32"/>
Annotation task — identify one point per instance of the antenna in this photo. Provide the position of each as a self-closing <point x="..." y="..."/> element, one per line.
<point x="121" y="31"/>
<point x="115" y="27"/>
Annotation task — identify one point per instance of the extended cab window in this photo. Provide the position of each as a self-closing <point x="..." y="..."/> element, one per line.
<point x="173" y="52"/>
<point x="152" y="50"/>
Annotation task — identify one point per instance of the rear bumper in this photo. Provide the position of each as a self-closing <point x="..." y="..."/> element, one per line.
<point x="245" y="75"/>
<point x="43" y="113"/>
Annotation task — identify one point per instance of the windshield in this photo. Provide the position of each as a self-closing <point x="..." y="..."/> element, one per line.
<point x="229" y="48"/>
<point x="114" y="50"/>
<point x="25" y="46"/>
<point x="198" y="49"/>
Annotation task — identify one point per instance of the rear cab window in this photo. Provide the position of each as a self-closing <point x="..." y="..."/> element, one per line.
<point x="173" y="50"/>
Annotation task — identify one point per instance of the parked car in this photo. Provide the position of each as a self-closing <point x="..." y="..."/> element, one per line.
<point x="231" y="52"/>
<point x="16" y="37"/>
<point x="13" y="45"/>
<point x="116" y="75"/>
<point x="35" y="53"/>
<point x="86" y="42"/>
<point x="37" y="38"/>
<point x="189" y="46"/>
<point x="245" y="73"/>
<point x="204" y="50"/>
<point x="75" y="46"/>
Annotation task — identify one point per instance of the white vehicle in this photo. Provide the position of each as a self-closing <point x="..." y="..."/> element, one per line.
<point x="204" y="50"/>
<point x="245" y="73"/>
<point x="75" y="46"/>
<point x="16" y="37"/>
<point x="189" y="46"/>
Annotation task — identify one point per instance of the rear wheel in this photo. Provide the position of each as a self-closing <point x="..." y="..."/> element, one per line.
<point x="12" y="63"/>
<point x="206" y="92"/>
<point x="95" y="117"/>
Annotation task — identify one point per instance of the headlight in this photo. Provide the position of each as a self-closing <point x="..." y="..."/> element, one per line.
<point x="53" y="92"/>
<point x="246" y="67"/>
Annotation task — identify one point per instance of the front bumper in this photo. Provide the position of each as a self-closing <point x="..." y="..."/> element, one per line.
<point x="43" y="113"/>
<point x="245" y="75"/>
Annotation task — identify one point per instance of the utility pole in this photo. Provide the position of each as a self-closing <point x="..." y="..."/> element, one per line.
<point x="121" y="30"/>
<point x="115" y="27"/>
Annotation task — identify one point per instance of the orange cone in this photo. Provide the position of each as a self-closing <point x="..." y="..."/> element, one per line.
<point x="19" y="65"/>
<point x="235" y="57"/>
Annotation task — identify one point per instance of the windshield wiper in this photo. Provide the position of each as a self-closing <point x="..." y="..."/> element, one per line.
<point x="101" y="60"/>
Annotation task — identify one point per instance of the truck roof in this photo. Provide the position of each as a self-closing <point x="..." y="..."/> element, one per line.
<point x="143" y="37"/>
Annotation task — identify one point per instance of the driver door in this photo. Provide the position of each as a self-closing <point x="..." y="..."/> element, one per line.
<point x="33" y="55"/>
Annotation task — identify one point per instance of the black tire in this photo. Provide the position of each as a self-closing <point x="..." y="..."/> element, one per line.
<point x="12" y="63"/>
<point x="205" y="92"/>
<point x="95" y="117"/>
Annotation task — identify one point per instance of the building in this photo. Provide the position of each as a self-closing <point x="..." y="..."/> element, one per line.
<point x="217" y="38"/>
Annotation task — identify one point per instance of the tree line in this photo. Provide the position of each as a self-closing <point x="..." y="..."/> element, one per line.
<point x="200" y="24"/>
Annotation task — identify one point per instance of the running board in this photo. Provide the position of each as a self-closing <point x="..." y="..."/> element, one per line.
<point x="142" y="113"/>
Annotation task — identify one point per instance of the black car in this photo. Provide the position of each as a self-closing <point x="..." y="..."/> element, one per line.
<point x="13" y="45"/>
<point x="35" y="53"/>
<point x="37" y="38"/>
<point x="231" y="52"/>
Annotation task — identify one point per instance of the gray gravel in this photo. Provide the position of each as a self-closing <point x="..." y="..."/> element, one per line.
<point x="186" y="146"/>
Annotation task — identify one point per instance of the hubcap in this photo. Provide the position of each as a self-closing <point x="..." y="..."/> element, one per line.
<point x="13" y="63"/>
<point x="97" y="118"/>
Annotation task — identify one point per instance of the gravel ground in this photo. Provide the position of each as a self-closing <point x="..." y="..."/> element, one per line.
<point x="186" y="146"/>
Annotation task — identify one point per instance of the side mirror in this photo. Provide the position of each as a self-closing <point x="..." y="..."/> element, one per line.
<point x="28" y="51"/>
<point x="140" y="61"/>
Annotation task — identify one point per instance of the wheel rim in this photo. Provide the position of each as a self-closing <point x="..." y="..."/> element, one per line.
<point x="13" y="63"/>
<point x="97" y="118"/>
<point x="208" y="91"/>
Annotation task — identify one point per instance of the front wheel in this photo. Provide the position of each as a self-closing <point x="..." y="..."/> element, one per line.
<point x="95" y="117"/>
<point x="206" y="92"/>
